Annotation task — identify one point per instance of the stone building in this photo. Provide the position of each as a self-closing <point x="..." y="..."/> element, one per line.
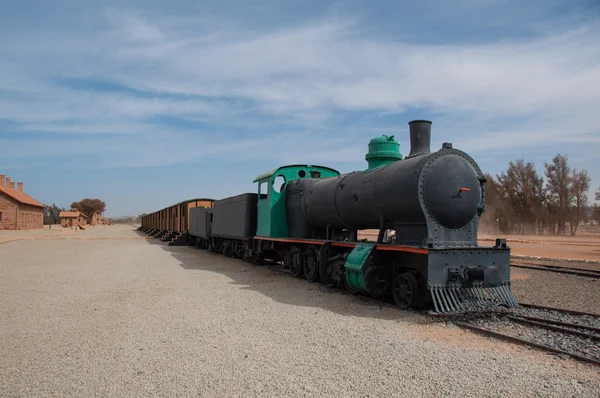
<point x="17" y="209"/>
<point x="72" y="218"/>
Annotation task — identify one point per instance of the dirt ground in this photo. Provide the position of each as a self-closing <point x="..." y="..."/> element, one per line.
<point x="567" y="247"/>
<point x="585" y="247"/>
<point x="46" y="232"/>
<point x="58" y="232"/>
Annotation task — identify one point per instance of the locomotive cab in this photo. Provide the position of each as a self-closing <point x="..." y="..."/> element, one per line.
<point x="272" y="220"/>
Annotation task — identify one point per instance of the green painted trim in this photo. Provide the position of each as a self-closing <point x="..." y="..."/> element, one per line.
<point x="354" y="264"/>
<point x="265" y="175"/>
<point x="268" y="174"/>
<point x="382" y="151"/>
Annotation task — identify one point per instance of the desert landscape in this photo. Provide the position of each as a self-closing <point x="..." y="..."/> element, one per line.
<point x="109" y="311"/>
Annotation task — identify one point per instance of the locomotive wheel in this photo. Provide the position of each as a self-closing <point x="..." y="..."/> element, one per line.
<point x="326" y="272"/>
<point x="311" y="264"/>
<point x="328" y="266"/>
<point x="405" y="290"/>
<point x="296" y="266"/>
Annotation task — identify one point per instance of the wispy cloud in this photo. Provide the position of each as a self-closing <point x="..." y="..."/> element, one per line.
<point x="125" y="72"/>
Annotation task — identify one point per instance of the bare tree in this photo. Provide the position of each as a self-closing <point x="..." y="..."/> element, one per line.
<point x="522" y="188"/>
<point x="520" y="201"/>
<point x="560" y="195"/>
<point x="596" y="209"/>
<point x="51" y="214"/>
<point x="494" y="218"/>
<point x="596" y="214"/>
<point x="580" y="184"/>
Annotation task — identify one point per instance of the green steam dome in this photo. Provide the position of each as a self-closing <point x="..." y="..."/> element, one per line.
<point x="382" y="151"/>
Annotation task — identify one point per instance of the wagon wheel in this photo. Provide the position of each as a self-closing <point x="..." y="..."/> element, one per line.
<point x="246" y="254"/>
<point x="311" y="264"/>
<point x="296" y="267"/>
<point x="405" y="290"/>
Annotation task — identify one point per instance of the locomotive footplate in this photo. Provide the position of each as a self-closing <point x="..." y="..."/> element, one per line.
<point x="469" y="280"/>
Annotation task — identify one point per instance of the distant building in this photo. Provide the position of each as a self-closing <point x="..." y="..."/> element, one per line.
<point x="72" y="218"/>
<point x="17" y="209"/>
<point x="98" y="219"/>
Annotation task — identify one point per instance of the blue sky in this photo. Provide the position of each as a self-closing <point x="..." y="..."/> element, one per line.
<point x="147" y="103"/>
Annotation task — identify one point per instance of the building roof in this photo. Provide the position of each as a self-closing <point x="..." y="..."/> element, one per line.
<point x="20" y="197"/>
<point x="68" y="214"/>
<point x="71" y="214"/>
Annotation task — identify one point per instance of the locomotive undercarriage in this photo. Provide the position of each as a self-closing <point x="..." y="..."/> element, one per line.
<point x="235" y="248"/>
<point x="448" y="281"/>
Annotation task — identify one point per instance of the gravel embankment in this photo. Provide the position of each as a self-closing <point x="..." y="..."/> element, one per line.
<point x="570" y="292"/>
<point x="130" y="317"/>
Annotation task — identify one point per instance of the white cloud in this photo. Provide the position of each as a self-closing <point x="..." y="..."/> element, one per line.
<point x="328" y="64"/>
<point x="296" y="78"/>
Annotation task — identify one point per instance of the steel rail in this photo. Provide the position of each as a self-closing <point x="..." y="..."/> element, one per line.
<point x="594" y="271"/>
<point x="541" y="307"/>
<point x="552" y="327"/>
<point x="560" y="323"/>
<point x="492" y="333"/>
<point x="560" y="271"/>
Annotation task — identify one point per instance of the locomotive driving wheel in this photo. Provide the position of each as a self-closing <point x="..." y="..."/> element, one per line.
<point x="296" y="266"/>
<point x="326" y="266"/>
<point x="311" y="264"/>
<point x="405" y="290"/>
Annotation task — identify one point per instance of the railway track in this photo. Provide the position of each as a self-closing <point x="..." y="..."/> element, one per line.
<point x="590" y="273"/>
<point x="566" y="333"/>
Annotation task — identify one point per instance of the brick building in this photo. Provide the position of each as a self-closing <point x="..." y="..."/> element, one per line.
<point x="98" y="219"/>
<point x="72" y="218"/>
<point x="17" y="209"/>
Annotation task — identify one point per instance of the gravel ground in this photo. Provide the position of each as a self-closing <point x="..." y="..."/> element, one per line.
<point x="550" y="289"/>
<point x="107" y="314"/>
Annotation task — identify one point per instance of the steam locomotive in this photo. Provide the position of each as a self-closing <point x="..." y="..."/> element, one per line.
<point x="425" y="206"/>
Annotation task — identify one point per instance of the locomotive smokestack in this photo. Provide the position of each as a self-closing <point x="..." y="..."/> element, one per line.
<point x="420" y="137"/>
